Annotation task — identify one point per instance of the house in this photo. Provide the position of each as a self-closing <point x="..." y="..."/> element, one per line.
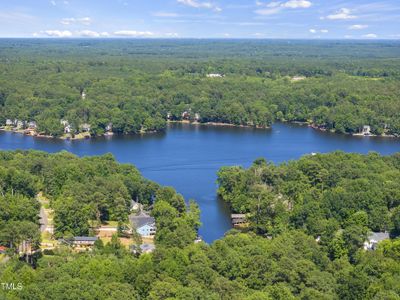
<point x="135" y="206"/>
<point x="20" y="124"/>
<point x="3" y="250"/>
<point x="374" y="238"/>
<point x="147" y="248"/>
<point x="84" y="241"/>
<point x="109" y="127"/>
<point x="144" y="224"/>
<point x="32" y="125"/>
<point x="85" y="127"/>
<point x="238" y="219"/>
<point x="9" y="122"/>
<point x="197" y="117"/>
<point x="215" y="75"/>
<point x="67" y="129"/>
<point x="185" y="115"/>
<point x="366" y="130"/>
<point x="67" y="126"/>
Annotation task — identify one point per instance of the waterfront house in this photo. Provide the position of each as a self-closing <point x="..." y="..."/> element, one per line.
<point x="85" y="127"/>
<point x="185" y="115"/>
<point x="144" y="224"/>
<point x="32" y="125"/>
<point x="9" y="122"/>
<point x="109" y="127"/>
<point x="366" y="130"/>
<point x="374" y="238"/>
<point x="20" y="124"/>
<point x="238" y="219"/>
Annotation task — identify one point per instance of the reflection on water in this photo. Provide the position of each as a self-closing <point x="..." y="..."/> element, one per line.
<point x="188" y="157"/>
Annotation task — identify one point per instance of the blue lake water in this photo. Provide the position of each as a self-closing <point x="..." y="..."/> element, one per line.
<point x="188" y="157"/>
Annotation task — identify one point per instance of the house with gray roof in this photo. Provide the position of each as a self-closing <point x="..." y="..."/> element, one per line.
<point x="144" y="224"/>
<point x="374" y="238"/>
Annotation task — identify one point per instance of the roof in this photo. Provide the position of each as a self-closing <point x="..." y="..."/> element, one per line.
<point x="238" y="216"/>
<point x="378" y="236"/>
<point x="147" y="247"/>
<point x="85" y="238"/>
<point x="142" y="220"/>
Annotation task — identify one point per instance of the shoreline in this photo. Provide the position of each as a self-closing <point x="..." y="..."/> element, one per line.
<point x="322" y="129"/>
<point x="86" y="135"/>
<point x="216" y="124"/>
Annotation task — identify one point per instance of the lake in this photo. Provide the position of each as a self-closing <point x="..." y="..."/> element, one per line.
<point x="188" y="157"/>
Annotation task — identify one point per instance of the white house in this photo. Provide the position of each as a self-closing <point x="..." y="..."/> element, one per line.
<point x="9" y="122"/>
<point x="215" y="75"/>
<point x="366" y="130"/>
<point x="374" y="238"/>
<point x="109" y="127"/>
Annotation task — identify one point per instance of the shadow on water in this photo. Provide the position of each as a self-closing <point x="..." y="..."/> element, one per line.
<point x="188" y="157"/>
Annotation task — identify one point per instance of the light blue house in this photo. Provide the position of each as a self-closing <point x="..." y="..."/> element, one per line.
<point x="144" y="224"/>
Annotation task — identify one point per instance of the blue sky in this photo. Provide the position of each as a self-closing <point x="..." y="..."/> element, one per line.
<point x="319" y="19"/>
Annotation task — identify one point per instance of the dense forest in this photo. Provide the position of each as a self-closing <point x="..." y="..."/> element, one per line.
<point x="131" y="86"/>
<point x="82" y="191"/>
<point x="339" y="197"/>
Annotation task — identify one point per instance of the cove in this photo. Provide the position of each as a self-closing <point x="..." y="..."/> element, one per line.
<point x="188" y="157"/>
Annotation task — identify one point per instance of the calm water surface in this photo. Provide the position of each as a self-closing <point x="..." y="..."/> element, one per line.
<point x="188" y="157"/>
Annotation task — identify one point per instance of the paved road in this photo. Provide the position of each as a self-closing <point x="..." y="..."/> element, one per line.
<point x="43" y="220"/>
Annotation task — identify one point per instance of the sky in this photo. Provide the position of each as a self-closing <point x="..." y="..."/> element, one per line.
<point x="286" y="19"/>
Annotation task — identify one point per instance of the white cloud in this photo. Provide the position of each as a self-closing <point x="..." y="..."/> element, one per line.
<point x="83" y="21"/>
<point x="172" y="34"/>
<point x="133" y="33"/>
<point x="53" y="3"/>
<point x="276" y="7"/>
<point x="297" y="4"/>
<point x="200" y="4"/>
<point x="163" y="14"/>
<point x="358" y="27"/>
<point x="370" y="36"/>
<point x="313" y="31"/>
<point x="342" y="14"/>
<point x="57" y="33"/>
<point x="88" y="33"/>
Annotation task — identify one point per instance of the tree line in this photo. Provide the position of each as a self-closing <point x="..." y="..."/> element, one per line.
<point x="136" y="86"/>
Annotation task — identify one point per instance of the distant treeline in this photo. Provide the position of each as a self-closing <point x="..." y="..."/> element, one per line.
<point x="135" y="85"/>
